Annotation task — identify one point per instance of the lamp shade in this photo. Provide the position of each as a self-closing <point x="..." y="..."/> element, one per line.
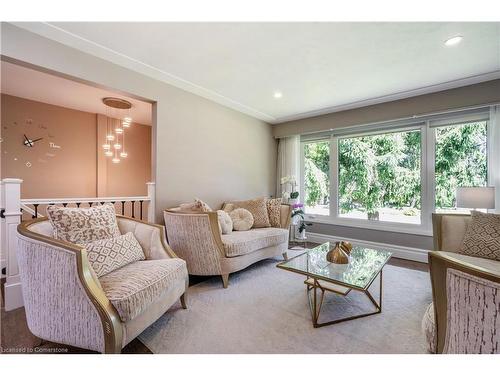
<point x="476" y="197"/>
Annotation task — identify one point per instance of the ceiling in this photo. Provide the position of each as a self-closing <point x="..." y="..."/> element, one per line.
<point x="47" y="88"/>
<point x="318" y="67"/>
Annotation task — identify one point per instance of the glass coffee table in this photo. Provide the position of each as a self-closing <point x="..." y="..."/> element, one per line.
<point x="322" y="276"/>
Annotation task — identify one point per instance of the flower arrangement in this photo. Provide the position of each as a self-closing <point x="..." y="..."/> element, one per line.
<point x="293" y="194"/>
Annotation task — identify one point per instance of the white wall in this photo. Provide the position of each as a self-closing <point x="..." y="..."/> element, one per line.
<point x="203" y="149"/>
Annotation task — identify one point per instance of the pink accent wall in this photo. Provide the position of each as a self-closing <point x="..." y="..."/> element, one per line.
<point x="77" y="168"/>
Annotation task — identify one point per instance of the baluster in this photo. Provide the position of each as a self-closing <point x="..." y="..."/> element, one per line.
<point x="141" y="208"/>
<point x="123" y="207"/>
<point x="21" y="214"/>
<point x="133" y="207"/>
<point x="36" y="211"/>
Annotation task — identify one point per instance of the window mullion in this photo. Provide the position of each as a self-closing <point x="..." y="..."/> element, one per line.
<point x="334" y="178"/>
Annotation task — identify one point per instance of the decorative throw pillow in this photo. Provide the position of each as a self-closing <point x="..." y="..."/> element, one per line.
<point x="482" y="238"/>
<point x="225" y="222"/>
<point x="108" y="255"/>
<point x="274" y="212"/>
<point x="197" y="206"/>
<point x="258" y="209"/>
<point x="83" y="225"/>
<point x="228" y="207"/>
<point x="242" y="219"/>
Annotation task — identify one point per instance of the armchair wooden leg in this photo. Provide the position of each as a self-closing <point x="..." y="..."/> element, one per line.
<point x="225" y="280"/>
<point x="184" y="301"/>
<point x="285" y="255"/>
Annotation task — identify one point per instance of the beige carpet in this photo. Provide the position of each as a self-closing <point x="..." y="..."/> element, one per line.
<point x="265" y="310"/>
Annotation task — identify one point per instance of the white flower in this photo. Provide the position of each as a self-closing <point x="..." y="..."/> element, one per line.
<point x="285" y="180"/>
<point x="286" y="195"/>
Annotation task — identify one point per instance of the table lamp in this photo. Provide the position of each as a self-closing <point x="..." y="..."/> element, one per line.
<point x="476" y="197"/>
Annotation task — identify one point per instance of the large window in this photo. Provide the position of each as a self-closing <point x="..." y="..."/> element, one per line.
<point x="395" y="178"/>
<point x="379" y="177"/>
<point x="461" y="160"/>
<point x="316" y="178"/>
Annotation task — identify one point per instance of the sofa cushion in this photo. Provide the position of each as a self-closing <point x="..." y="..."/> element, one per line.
<point x="108" y="255"/>
<point x="242" y="219"/>
<point x="83" y="225"/>
<point x="133" y="288"/>
<point x="482" y="238"/>
<point x="225" y="222"/>
<point x="258" y="209"/>
<point x="274" y="212"/>
<point x="241" y="243"/>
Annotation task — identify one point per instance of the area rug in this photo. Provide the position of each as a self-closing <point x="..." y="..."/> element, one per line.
<point x="265" y="310"/>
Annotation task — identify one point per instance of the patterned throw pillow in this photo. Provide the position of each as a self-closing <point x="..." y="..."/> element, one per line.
<point x="482" y="238"/>
<point x="274" y="212"/>
<point x="108" y="255"/>
<point x="197" y="206"/>
<point x="258" y="209"/>
<point x="83" y="225"/>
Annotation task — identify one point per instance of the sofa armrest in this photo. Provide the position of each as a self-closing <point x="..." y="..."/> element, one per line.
<point x="63" y="301"/>
<point x="151" y="237"/>
<point x="196" y="238"/>
<point x="286" y="215"/>
<point x="463" y="294"/>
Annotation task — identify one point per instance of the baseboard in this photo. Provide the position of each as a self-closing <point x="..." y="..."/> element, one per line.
<point x="13" y="296"/>
<point x="409" y="253"/>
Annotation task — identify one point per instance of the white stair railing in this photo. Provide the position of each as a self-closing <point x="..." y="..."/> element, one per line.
<point x="14" y="210"/>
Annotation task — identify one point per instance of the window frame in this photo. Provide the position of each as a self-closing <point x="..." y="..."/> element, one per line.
<point x="427" y="171"/>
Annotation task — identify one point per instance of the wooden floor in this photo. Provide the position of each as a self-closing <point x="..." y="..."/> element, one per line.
<point x="16" y="337"/>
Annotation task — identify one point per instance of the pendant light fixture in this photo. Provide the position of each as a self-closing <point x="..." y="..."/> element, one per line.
<point x="117" y="121"/>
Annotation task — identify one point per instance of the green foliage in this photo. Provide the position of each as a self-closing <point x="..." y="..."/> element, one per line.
<point x="384" y="170"/>
<point x="460" y="160"/>
<point x="317" y="160"/>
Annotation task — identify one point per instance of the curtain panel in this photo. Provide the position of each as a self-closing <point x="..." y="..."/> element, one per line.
<point x="288" y="164"/>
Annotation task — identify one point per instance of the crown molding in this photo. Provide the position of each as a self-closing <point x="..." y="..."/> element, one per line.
<point x="393" y="97"/>
<point x="62" y="36"/>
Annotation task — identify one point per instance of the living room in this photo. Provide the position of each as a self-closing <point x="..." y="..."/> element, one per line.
<point x="274" y="199"/>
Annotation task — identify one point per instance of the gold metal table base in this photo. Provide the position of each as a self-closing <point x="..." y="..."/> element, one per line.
<point x="315" y="307"/>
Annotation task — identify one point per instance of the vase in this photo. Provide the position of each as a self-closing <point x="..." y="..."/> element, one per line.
<point x="292" y="201"/>
<point x="337" y="255"/>
<point x="346" y="246"/>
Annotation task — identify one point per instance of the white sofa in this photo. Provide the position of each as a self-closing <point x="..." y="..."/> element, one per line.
<point x="196" y="238"/>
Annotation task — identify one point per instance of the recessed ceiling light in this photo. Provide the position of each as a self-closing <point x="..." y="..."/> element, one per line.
<point x="277" y="95"/>
<point x="453" y="41"/>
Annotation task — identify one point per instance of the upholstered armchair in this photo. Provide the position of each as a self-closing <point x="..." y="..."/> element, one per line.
<point x="65" y="301"/>
<point x="196" y="238"/>
<point x="465" y="314"/>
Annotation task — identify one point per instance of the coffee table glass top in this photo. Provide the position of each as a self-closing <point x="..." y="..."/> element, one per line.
<point x="364" y="265"/>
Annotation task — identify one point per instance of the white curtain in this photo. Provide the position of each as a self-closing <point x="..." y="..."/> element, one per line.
<point x="288" y="163"/>
<point x="494" y="156"/>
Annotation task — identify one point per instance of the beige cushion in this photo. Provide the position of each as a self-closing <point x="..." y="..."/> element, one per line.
<point x="453" y="228"/>
<point x="83" y="225"/>
<point x="108" y="255"/>
<point x="258" y="209"/>
<point x="228" y="207"/>
<point x="274" y="212"/>
<point x="242" y="219"/>
<point x="133" y="288"/>
<point x="225" y="222"/>
<point x="241" y="243"/>
<point x="482" y="238"/>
